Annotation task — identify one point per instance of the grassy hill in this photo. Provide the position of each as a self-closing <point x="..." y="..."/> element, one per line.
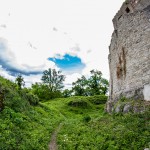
<point x="26" y="124"/>
<point x="22" y="125"/>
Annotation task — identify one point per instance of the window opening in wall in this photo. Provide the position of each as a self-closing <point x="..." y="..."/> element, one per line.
<point x="127" y="10"/>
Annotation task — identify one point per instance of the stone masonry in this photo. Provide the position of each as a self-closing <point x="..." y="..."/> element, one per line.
<point x="129" y="58"/>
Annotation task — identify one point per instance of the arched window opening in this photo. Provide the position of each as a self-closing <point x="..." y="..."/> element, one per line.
<point x="127" y="10"/>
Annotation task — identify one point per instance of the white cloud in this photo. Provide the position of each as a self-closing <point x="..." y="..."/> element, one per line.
<point x="9" y="60"/>
<point x="31" y="79"/>
<point x="28" y="30"/>
<point x="6" y="74"/>
<point x="70" y="79"/>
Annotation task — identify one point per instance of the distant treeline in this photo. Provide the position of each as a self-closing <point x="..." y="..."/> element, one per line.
<point x="52" y="86"/>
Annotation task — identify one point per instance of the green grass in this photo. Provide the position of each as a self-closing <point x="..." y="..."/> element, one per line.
<point x="91" y="129"/>
<point x="26" y="125"/>
<point x="27" y="130"/>
<point x="23" y="126"/>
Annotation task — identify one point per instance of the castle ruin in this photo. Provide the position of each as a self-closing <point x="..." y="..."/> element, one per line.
<point x="129" y="58"/>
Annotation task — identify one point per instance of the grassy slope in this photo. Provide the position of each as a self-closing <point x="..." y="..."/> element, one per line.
<point x="27" y="130"/>
<point x="22" y="126"/>
<point x="102" y="131"/>
<point x="85" y="127"/>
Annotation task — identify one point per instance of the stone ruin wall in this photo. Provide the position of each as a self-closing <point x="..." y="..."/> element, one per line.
<point x="129" y="58"/>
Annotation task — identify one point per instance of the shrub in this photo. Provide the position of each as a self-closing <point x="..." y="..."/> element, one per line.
<point x="98" y="99"/>
<point x="33" y="99"/>
<point x="78" y="103"/>
<point x="1" y="97"/>
<point x="86" y="118"/>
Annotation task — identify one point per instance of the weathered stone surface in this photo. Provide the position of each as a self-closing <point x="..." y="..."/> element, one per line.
<point x="146" y="149"/>
<point x="127" y="108"/>
<point x="130" y="106"/>
<point x="118" y="108"/>
<point x="109" y="107"/>
<point x="129" y="58"/>
<point x="146" y="92"/>
<point x="138" y="109"/>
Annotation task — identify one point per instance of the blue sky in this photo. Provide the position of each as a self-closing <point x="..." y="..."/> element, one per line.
<point x="77" y="30"/>
<point x="68" y="63"/>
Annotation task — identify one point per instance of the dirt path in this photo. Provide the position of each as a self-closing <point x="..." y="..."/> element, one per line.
<point x="53" y="142"/>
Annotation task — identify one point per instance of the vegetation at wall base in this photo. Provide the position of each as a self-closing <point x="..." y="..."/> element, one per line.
<point x="27" y="124"/>
<point x="93" y="129"/>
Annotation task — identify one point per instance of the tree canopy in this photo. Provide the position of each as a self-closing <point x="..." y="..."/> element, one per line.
<point x="94" y="85"/>
<point x="51" y="86"/>
<point x="53" y="79"/>
<point x="20" y="81"/>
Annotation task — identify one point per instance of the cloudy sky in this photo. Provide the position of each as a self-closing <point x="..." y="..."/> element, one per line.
<point x="68" y="35"/>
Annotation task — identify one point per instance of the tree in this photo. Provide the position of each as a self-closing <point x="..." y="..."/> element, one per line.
<point x="53" y="79"/>
<point x="51" y="86"/>
<point x="79" y="87"/>
<point x="104" y="86"/>
<point x="2" y="97"/>
<point x="20" y="81"/>
<point x="67" y="93"/>
<point x="43" y="92"/>
<point x="95" y="82"/>
<point x="40" y="90"/>
<point x="94" y="85"/>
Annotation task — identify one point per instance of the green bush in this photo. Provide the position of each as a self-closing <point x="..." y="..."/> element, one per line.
<point x="86" y="118"/>
<point x="85" y="126"/>
<point x="98" y="99"/>
<point x="33" y="99"/>
<point x="78" y="103"/>
<point x="15" y="101"/>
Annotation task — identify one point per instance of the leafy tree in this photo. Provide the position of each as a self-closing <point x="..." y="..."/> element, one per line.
<point x="67" y="93"/>
<point x="94" y="85"/>
<point x="104" y="86"/>
<point x="95" y="82"/>
<point x="2" y="96"/>
<point x="43" y="92"/>
<point x="40" y="90"/>
<point x="51" y="86"/>
<point x="20" y="81"/>
<point x="53" y="79"/>
<point x="79" y="87"/>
